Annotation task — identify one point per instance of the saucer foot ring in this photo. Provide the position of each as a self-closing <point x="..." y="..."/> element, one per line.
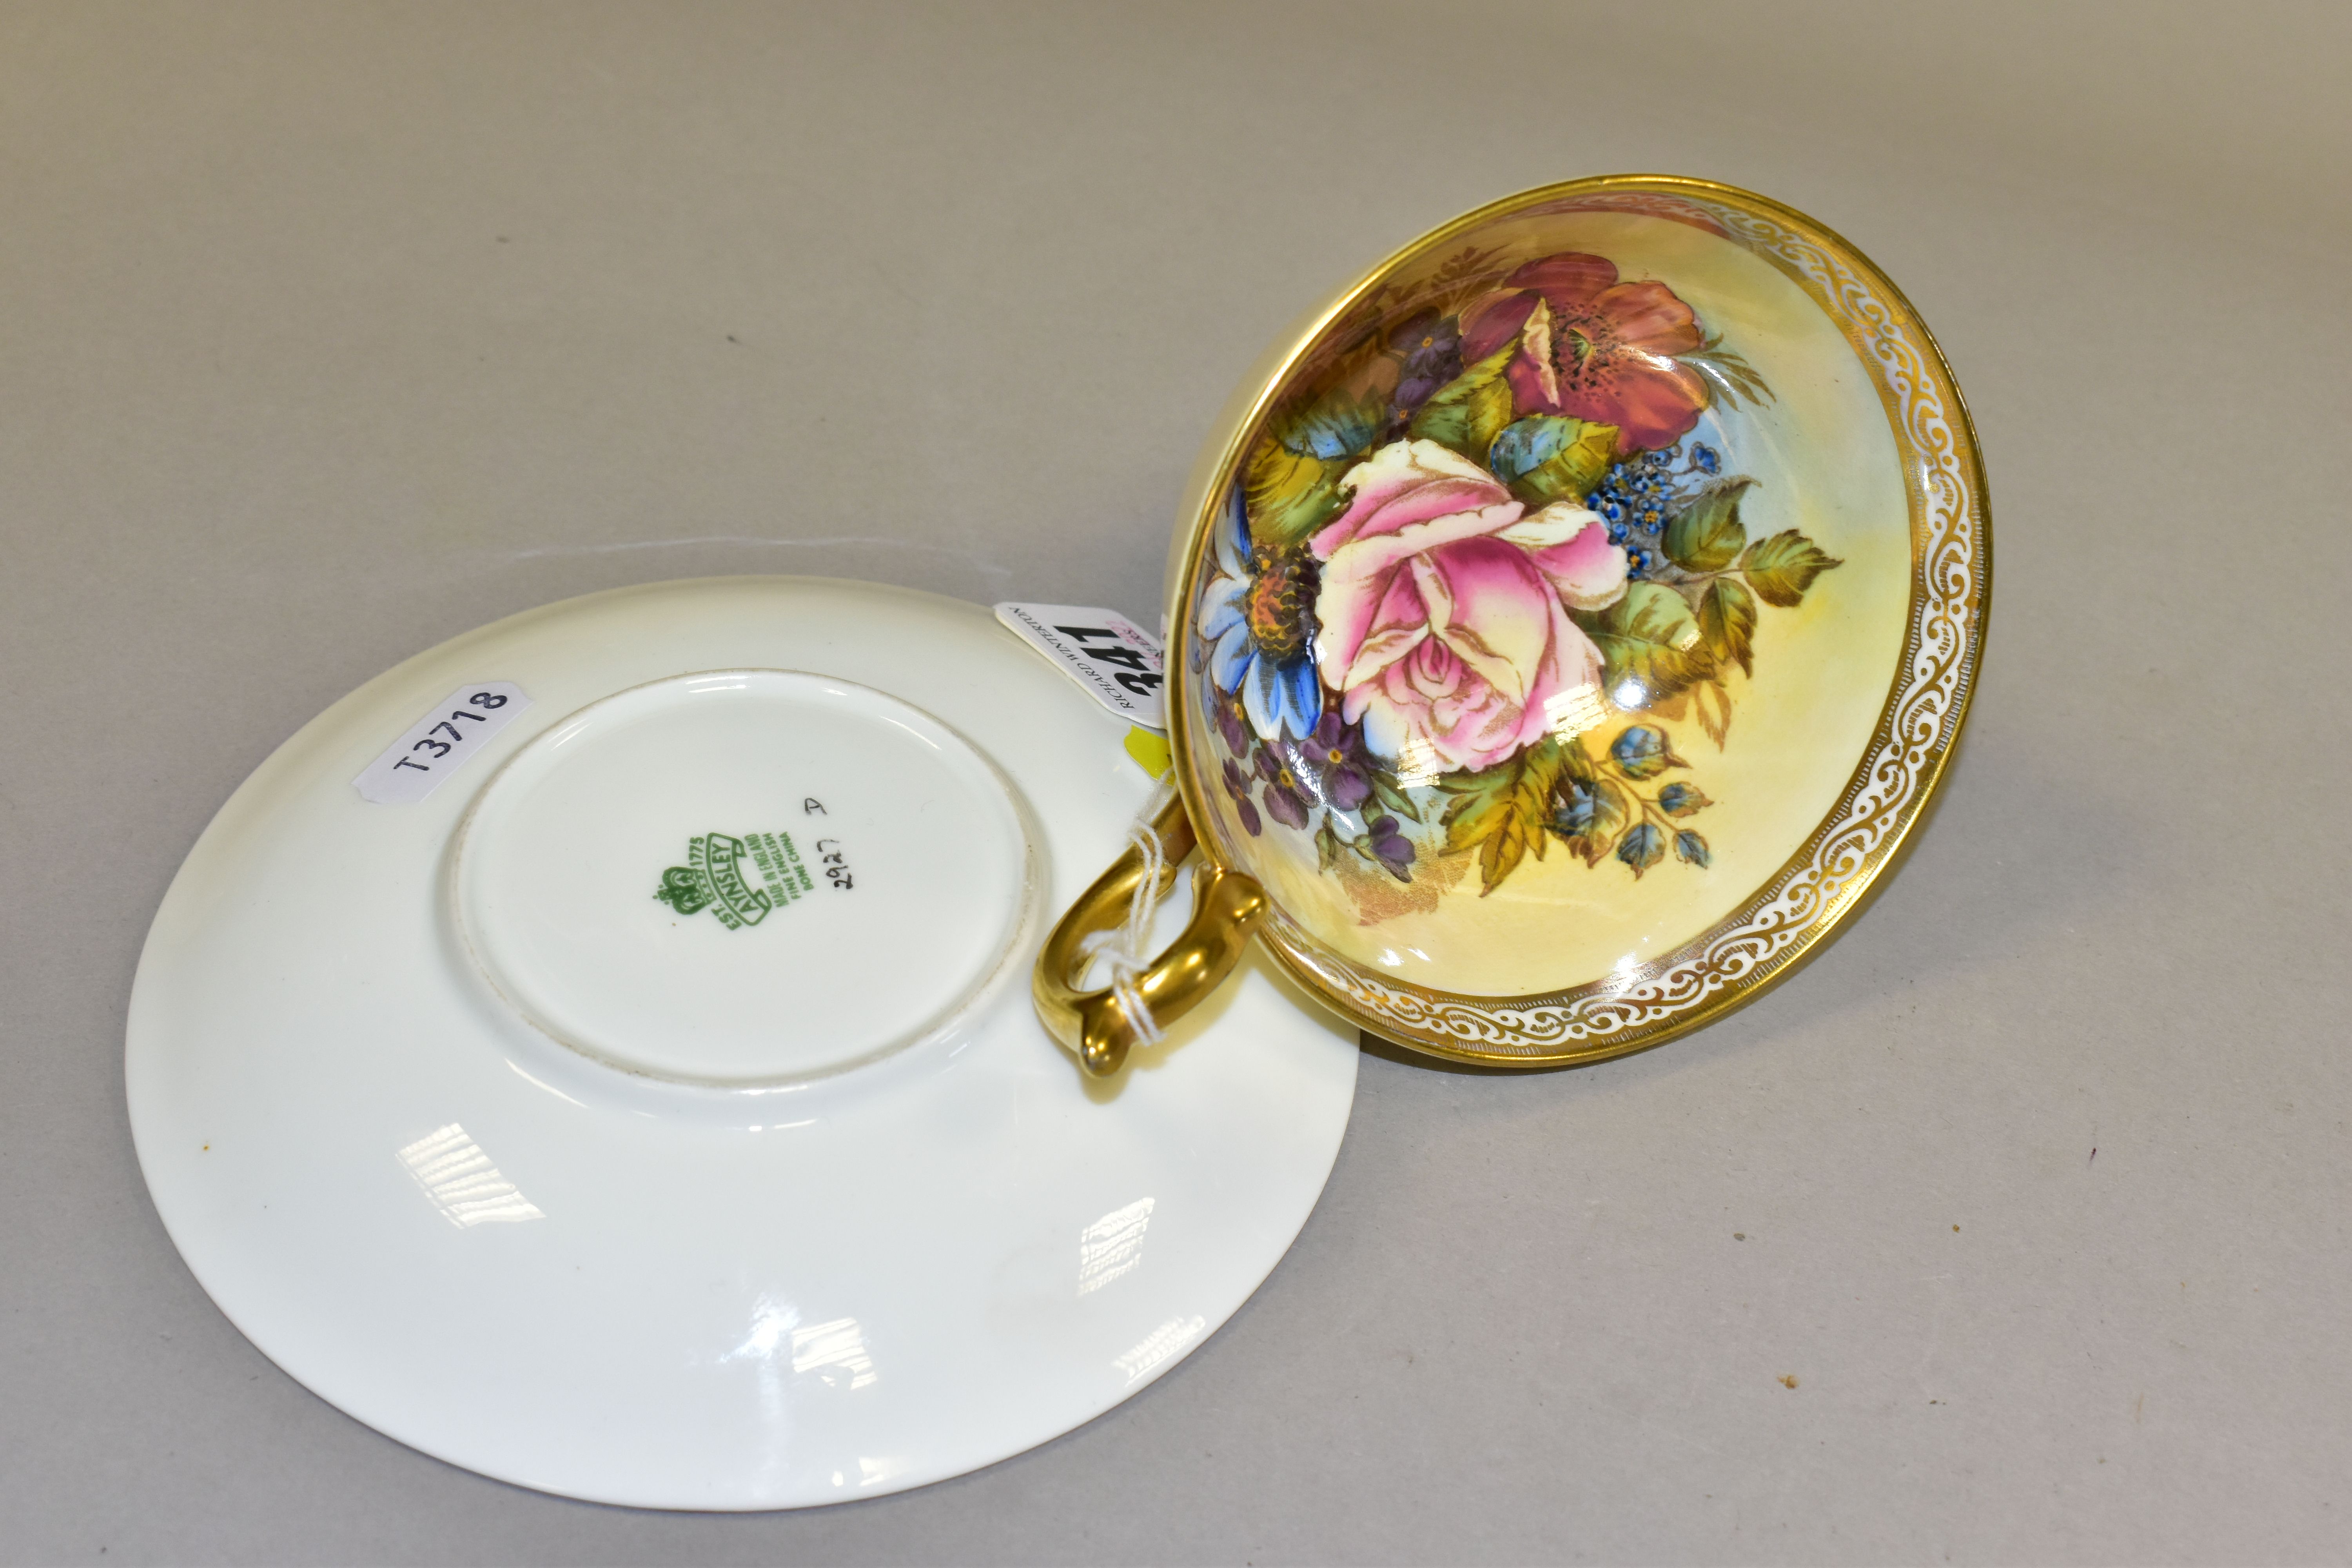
<point x="1095" y="1025"/>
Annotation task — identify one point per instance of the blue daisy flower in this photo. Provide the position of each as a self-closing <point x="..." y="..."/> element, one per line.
<point x="1257" y="629"/>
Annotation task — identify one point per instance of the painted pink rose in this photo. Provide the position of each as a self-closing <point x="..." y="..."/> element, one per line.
<point x="1593" y="348"/>
<point x="1443" y="611"/>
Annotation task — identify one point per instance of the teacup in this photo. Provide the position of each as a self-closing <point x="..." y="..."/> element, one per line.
<point x="1569" y="624"/>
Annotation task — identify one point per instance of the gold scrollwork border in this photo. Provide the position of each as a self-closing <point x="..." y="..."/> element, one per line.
<point x="1828" y="878"/>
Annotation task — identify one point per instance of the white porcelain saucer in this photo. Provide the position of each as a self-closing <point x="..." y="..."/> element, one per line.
<point x="652" y="1111"/>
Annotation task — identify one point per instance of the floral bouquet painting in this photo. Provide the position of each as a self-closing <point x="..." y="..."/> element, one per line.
<point x="1463" y="592"/>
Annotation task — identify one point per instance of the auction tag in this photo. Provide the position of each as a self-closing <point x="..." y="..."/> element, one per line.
<point x="441" y="742"/>
<point x="1102" y="650"/>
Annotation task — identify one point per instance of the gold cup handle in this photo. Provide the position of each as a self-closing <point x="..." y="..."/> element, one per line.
<point x="1094" y="1025"/>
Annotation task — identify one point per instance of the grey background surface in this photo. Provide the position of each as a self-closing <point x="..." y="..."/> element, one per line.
<point x="327" y="332"/>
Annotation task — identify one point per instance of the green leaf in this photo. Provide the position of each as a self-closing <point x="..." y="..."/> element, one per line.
<point x="1707" y="535"/>
<point x="1477" y="798"/>
<point x="1385" y="791"/>
<point x="1500" y="856"/>
<point x="1575" y="762"/>
<point x="1291" y="494"/>
<point x="1292" y="481"/>
<point x="1690" y="847"/>
<point x="1335" y="427"/>
<point x="1782" y="567"/>
<point x="1546" y="457"/>
<point x="1650" y="639"/>
<point x="1503" y="811"/>
<point x="1642" y="848"/>
<point x="1468" y="412"/>
<point x="1726" y="620"/>
<point x="1326" y="847"/>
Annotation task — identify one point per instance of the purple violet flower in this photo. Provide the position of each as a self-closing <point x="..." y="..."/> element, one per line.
<point x="1232" y="722"/>
<point x="1287" y="800"/>
<point x="1237" y="785"/>
<point x="1393" y="848"/>
<point x="1335" y="759"/>
<point x="1432" y="347"/>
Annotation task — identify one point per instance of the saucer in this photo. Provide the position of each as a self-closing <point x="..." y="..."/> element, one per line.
<point x="596" y="1053"/>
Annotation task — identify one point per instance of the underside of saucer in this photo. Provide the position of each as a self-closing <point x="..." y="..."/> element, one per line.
<point x="649" y="1112"/>
<point x="743" y="877"/>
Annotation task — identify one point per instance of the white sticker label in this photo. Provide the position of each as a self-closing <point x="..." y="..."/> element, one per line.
<point x="1102" y="650"/>
<point x="441" y="742"/>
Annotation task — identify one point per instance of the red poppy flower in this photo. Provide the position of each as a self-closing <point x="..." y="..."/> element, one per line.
<point x="1593" y="348"/>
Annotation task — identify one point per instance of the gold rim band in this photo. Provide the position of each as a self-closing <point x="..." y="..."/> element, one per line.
<point x="1094" y="1025"/>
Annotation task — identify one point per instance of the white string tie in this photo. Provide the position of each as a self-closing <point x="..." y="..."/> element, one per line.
<point x="1124" y="950"/>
